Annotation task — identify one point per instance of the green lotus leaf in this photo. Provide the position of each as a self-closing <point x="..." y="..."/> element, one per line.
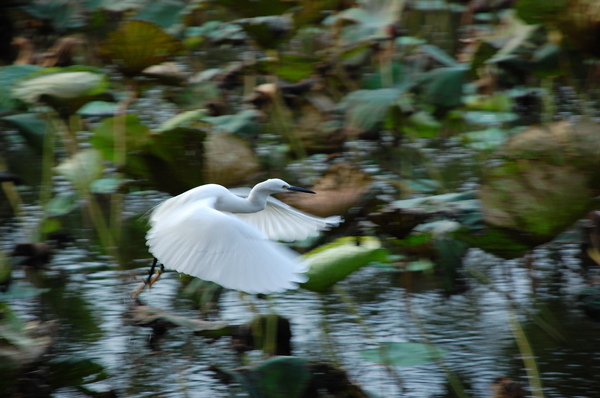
<point x="9" y="76"/>
<point x="332" y="263"/>
<point x="403" y="354"/>
<point x="82" y="168"/>
<point x="61" y="85"/>
<point x="137" y="45"/>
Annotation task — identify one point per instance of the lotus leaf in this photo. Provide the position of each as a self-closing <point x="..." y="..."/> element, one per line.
<point x="69" y="87"/>
<point x="9" y="76"/>
<point x="366" y="110"/>
<point x="278" y="377"/>
<point x="332" y="263"/>
<point x="255" y="8"/>
<point x="535" y="198"/>
<point x="31" y="127"/>
<point x="403" y="354"/>
<point x="443" y="86"/>
<point x="245" y="123"/>
<point x="21" y="291"/>
<point x="61" y="204"/>
<point x="370" y="20"/>
<point x="268" y="31"/>
<point x="136" y="45"/>
<point x="134" y="135"/>
<point x="164" y="13"/>
<point x="82" y="168"/>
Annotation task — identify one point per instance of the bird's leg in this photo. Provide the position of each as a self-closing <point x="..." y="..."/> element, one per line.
<point x="151" y="278"/>
<point x="151" y="271"/>
<point x="148" y="281"/>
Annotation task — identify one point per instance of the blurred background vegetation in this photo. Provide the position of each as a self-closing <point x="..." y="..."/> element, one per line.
<point x="459" y="140"/>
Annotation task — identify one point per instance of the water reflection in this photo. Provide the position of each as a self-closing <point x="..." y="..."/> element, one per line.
<point x="89" y="297"/>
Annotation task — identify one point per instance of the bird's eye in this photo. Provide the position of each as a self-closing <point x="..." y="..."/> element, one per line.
<point x="284" y="187"/>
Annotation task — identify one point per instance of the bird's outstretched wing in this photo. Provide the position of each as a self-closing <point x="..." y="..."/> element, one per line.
<point x="280" y="221"/>
<point x="203" y="242"/>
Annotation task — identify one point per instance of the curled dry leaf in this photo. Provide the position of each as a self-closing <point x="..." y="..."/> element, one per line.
<point x="338" y="190"/>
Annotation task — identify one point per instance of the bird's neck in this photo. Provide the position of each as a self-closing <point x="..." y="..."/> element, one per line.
<point x="256" y="201"/>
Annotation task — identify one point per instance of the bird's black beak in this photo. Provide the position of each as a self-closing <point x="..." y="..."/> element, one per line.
<point x="298" y="189"/>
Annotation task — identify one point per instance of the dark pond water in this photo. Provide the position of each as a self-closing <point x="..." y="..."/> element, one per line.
<point x="89" y="294"/>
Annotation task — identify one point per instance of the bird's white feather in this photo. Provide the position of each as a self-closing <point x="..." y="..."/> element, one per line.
<point x="280" y="221"/>
<point x="203" y="242"/>
<point x="216" y="235"/>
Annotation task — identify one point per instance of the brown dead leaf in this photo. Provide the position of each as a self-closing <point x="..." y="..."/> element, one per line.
<point x="338" y="190"/>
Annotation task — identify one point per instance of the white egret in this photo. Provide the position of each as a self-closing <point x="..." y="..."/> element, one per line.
<point x="227" y="236"/>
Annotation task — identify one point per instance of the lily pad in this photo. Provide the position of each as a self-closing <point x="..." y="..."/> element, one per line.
<point x="172" y="161"/>
<point x="245" y="123"/>
<point x="268" y="32"/>
<point x="98" y="108"/>
<point x="368" y="20"/>
<point x="164" y="13"/>
<point x="535" y="198"/>
<point x="403" y="354"/>
<point x="61" y="204"/>
<point x="487" y="139"/>
<point x="82" y="168"/>
<point x="136" y="45"/>
<point x="487" y="118"/>
<point x="21" y="291"/>
<point x="107" y="185"/>
<point x="332" y="263"/>
<point x="443" y="86"/>
<point x="66" y="89"/>
<point x="9" y="76"/>
<point x="278" y="377"/>
<point x="31" y="127"/>
<point x="255" y="8"/>
<point x="130" y="130"/>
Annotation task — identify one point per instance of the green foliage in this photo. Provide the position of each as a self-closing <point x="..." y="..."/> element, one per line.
<point x="332" y="263"/>
<point x="9" y="76"/>
<point x="245" y="123"/>
<point x="488" y="139"/>
<point x="56" y="84"/>
<point x="61" y="204"/>
<point x="164" y="13"/>
<point x="162" y="159"/>
<point x="128" y="128"/>
<point x="366" y="110"/>
<point x="74" y="371"/>
<point x="64" y="15"/>
<point x="256" y="8"/>
<point x="522" y="195"/>
<point x="82" y="169"/>
<point x="268" y="32"/>
<point x="137" y="45"/>
<point x="370" y="20"/>
<point x="403" y="354"/>
<point x="294" y="68"/>
<point x="535" y="12"/>
<point x="277" y="377"/>
<point x="31" y="127"/>
<point x="443" y="87"/>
